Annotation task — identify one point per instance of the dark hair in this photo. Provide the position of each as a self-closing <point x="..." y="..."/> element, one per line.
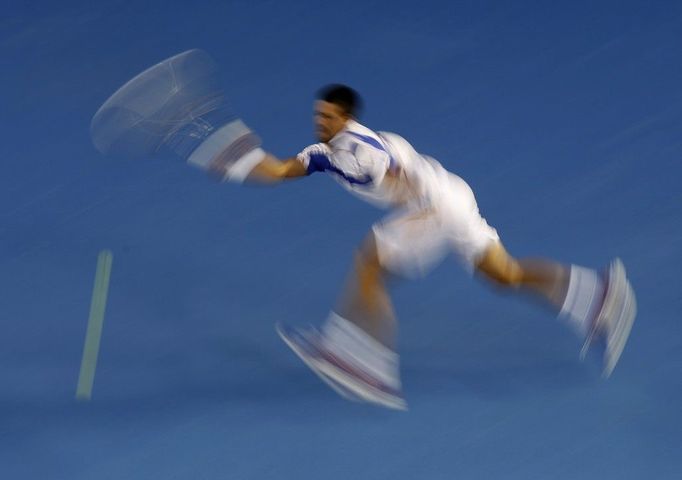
<point x="343" y="96"/>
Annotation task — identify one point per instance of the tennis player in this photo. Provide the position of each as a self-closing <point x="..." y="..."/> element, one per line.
<point x="433" y="212"/>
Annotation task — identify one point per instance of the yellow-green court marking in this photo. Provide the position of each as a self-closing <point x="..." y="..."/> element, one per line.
<point x="95" y="323"/>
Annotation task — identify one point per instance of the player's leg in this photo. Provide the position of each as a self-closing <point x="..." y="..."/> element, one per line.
<point x="361" y="331"/>
<point x="365" y="299"/>
<point x="355" y="348"/>
<point x="546" y="278"/>
<point x="354" y="351"/>
<point x="406" y="244"/>
<point x="596" y="305"/>
<point x="479" y="247"/>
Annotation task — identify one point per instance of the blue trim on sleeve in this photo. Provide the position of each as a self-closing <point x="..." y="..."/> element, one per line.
<point x="376" y="144"/>
<point x="369" y="140"/>
<point x="319" y="162"/>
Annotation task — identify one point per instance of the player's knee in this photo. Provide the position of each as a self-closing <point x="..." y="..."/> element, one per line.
<point x="367" y="263"/>
<point x="511" y="275"/>
<point x="367" y="255"/>
<point x="501" y="268"/>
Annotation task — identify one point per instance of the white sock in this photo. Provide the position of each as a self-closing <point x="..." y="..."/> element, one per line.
<point x="583" y="299"/>
<point x="353" y="345"/>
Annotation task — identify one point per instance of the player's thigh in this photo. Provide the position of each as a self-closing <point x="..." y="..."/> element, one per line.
<point x="497" y="265"/>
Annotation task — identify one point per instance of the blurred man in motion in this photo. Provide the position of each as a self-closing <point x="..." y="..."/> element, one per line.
<point x="433" y="212"/>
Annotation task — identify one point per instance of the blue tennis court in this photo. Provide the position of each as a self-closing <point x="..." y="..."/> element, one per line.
<point x="564" y="119"/>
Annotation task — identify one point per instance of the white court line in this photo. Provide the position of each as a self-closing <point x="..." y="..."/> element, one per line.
<point x="95" y="323"/>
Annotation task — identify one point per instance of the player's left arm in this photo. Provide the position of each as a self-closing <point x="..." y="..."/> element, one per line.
<point x="311" y="159"/>
<point x="254" y="165"/>
<point x="273" y="170"/>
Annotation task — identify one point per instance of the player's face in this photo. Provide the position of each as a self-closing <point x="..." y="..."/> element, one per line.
<point x="329" y="120"/>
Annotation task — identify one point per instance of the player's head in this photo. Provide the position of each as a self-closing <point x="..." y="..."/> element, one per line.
<point x="335" y="105"/>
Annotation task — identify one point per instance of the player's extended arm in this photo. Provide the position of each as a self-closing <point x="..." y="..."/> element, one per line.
<point x="273" y="170"/>
<point x="241" y="159"/>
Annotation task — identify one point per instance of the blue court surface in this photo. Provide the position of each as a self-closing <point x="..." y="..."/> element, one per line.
<point x="565" y="118"/>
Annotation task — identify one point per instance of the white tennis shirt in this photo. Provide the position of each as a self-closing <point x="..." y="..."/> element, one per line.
<point x="359" y="159"/>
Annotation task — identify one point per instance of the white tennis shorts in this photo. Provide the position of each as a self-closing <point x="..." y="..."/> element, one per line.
<point x="412" y="241"/>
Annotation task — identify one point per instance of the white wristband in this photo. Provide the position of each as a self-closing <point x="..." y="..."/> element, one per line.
<point x="242" y="167"/>
<point x="230" y="153"/>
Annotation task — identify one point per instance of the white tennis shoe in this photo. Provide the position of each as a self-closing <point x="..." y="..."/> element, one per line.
<point x="615" y="319"/>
